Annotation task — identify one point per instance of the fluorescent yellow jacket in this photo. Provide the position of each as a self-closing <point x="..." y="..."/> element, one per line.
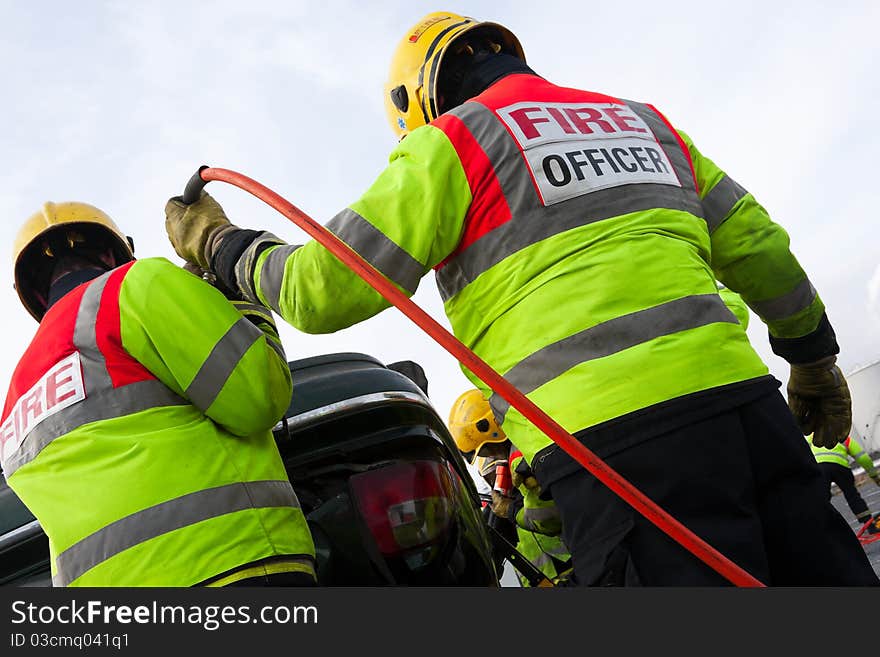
<point x="576" y="240"/>
<point x="539" y="528"/>
<point x="841" y="453"/>
<point x="137" y="430"/>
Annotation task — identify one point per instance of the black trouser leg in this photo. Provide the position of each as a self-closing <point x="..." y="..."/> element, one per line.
<point x="843" y="477"/>
<point x="745" y="481"/>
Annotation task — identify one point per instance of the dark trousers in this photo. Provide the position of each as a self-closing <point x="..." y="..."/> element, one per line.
<point x="743" y="480"/>
<point x="843" y="477"/>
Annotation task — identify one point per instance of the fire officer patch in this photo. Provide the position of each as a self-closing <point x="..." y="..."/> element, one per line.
<point x="57" y="389"/>
<point x="574" y="149"/>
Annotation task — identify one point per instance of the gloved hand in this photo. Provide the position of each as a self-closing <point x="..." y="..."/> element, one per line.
<point x="528" y="480"/>
<point x="819" y="399"/>
<point x="503" y="506"/>
<point x="196" y="230"/>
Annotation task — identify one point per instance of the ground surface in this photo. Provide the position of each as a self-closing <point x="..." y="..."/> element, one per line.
<point x="871" y="493"/>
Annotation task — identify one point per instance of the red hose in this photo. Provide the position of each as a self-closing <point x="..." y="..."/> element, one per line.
<point x="490" y="377"/>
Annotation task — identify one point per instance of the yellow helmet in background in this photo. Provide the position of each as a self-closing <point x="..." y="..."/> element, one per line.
<point x="472" y="423"/>
<point x="59" y="227"/>
<point x="411" y="98"/>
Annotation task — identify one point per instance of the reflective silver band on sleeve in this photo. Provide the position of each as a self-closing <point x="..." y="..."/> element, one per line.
<point x="244" y="268"/>
<point x="719" y="202"/>
<point x="786" y="305"/>
<point x="378" y="249"/>
<point x="534" y="516"/>
<point x="221" y="362"/>
<point x="272" y="274"/>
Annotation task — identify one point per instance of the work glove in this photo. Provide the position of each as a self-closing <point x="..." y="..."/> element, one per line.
<point x="528" y="480"/>
<point x="504" y="506"/>
<point x="820" y="401"/>
<point x="196" y="230"/>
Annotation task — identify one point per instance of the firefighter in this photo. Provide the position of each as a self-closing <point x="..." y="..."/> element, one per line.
<point x="576" y="239"/>
<point x="483" y="443"/>
<point x="834" y="464"/>
<point x="137" y="425"/>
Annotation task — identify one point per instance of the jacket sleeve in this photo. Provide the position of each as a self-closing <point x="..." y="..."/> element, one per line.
<point x="737" y="306"/>
<point x="228" y="364"/>
<point x="751" y="256"/>
<point x="535" y="515"/>
<point x="857" y="452"/>
<point x="409" y="220"/>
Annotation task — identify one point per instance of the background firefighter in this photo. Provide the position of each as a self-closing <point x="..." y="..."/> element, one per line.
<point x="137" y="426"/>
<point x="835" y="465"/>
<point x="538" y="526"/>
<point x="577" y="238"/>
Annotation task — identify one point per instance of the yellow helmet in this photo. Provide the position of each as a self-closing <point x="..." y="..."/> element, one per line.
<point x="60" y="226"/>
<point x="472" y="423"/>
<point x="411" y="98"/>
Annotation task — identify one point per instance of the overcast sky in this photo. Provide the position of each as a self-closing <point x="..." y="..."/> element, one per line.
<point x="117" y="103"/>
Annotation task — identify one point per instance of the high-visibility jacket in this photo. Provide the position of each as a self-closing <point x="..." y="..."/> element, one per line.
<point x="137" y="430"/>
<point x="737" y="306"/>
<point x="842" y="452"/>
<point x="538" y="529"/>
<point x="577" y="239"/>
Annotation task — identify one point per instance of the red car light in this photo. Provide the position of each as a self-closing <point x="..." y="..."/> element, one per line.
<point x="406" y="505"/>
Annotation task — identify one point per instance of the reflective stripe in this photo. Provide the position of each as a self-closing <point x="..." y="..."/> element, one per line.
<point x="256" y="313"/>
<point x="611" y="337"/>
<point x="719" y="202"/>
<point x="302" y="565"/>
<point x="788" y="304"/>
<point x="103" y="404"/>
<point x="221" y="362"/>
<point x="539" y="513"/>
<point x="833" y="455"/>
<point x="559" y="551"/>
<point x="377" y="249"/>
<point x="534" y="516"/>
<point x="168" y="516"/>
<point x="277" y="347"/>
<point x="254" y="309"/>
<point x="531" y="221"/>
<point x="247" y="262"/>
<point x="95" y="374"/>
<point x="541" y="560"/>
<point x="272" y="274"/>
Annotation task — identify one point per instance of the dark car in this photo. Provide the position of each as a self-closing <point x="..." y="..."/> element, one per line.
<point x="385" y="491"/>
